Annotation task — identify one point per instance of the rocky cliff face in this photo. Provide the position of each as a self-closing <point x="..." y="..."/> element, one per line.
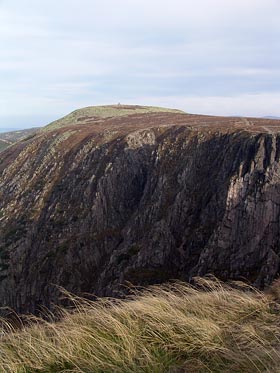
<point x="140" y="198"/>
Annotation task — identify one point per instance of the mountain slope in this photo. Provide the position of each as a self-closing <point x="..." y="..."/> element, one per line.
<point x="9" y="138"/>
<point x="140" y="199"/>
<point x="4" y="144"/>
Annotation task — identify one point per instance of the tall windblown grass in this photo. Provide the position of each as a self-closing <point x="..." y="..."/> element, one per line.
<point x="168" y="328"/>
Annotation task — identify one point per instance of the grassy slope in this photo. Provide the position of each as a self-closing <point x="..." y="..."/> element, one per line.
<point x="165" y="329"/>
<point x="81" y="115"/>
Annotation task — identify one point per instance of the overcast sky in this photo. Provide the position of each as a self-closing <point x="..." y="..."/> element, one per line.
<point x="203" y="56"/>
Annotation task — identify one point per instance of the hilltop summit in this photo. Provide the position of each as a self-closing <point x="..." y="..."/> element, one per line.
<point x="94" y="113"/>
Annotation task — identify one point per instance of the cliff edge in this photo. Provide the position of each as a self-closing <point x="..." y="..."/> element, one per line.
<point x="137" y="196"/>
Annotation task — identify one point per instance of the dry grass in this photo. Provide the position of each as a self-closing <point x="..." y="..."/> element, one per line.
<point x="170" y="328"/>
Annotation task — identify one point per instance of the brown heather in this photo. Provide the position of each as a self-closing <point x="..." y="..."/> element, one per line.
<point x="167" y="328"/>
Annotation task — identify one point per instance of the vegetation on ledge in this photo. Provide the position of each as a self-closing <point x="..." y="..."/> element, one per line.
<point x="168" y="328"/>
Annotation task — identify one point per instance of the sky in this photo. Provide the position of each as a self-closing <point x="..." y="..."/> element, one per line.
<point x="219" y="57"/>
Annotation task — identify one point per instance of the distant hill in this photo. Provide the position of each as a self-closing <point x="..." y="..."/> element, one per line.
<point x="9" y="138"/>
<point x="271" y="117"/>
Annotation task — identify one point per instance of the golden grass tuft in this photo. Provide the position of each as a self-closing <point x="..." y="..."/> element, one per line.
<point x="169" y="328"/>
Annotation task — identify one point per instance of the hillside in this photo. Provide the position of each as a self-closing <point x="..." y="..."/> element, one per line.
<point x="98" y="113"/>
<point x="137" y="196"/>
<point x="166" y="329"/>
<point x="9" y="138"/>
<point x="4" y="145"/>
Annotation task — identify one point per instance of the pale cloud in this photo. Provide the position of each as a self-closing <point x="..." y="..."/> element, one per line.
<point x="213" y="56"/>
<point x="244" y="105"/>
